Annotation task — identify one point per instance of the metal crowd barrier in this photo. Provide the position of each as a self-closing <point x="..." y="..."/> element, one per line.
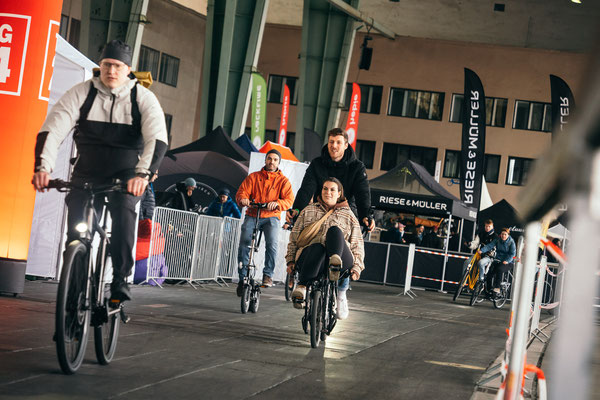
<point x="228" y="265"/>
<point x="195" y="247"/>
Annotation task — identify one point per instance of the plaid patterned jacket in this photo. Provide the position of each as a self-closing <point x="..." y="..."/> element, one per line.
<point x="343" y="218"/>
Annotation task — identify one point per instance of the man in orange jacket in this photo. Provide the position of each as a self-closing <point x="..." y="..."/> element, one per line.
<point x="270" y="186"/>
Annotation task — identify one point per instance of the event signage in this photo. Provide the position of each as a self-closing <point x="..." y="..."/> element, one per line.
<point x="14" y="36"/>
<point x="473" y="140"/>
<point x="48" y="68"/>
<point x="422" y="205"/>
<point x="259" y="109"/>
<point x="26" y="29"/>
<point x="562" y="104"/>
<point x="353" y="113"/>
<point x="285" y="110"/>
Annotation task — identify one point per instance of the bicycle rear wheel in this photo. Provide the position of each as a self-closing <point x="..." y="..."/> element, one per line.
<point x="105" y="339"/>
<point x="315" y="319"/>
<point x="255" y="300"/>
<point x="72" y="314"/>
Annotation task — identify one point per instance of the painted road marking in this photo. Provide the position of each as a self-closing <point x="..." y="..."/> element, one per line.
<point x="456" y="365"/>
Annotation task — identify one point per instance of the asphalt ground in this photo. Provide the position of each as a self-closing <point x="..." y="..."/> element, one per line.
<point x="195" y="343"/>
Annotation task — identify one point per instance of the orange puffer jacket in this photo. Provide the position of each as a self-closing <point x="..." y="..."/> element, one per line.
<point x="265" y="187"/>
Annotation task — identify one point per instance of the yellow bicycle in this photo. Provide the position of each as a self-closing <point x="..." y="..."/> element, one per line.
<point x="470" y="275"/>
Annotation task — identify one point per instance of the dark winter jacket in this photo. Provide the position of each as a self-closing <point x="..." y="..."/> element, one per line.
<point x="349" y="170"/>
<point x="227" y="209"/>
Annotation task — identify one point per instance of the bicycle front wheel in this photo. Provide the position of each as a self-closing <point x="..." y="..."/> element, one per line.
<point x="255" y="300"/>
<point x="72" y="313"/>
<point x="289" y="289"/>
<point x="315" y="318"/>
<point x="463" y="280"/>
<point x="476" y="292"/>
<point x="245" y="300"/>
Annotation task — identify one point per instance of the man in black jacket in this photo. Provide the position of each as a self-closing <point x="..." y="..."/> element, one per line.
<point x="337" y="160"/>
<point x="484" y="237"/>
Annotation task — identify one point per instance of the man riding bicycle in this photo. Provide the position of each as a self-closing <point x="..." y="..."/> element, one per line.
<point x="505" y="253"/>
<point x="270" y="186"/>
<point x="483" y="237"/>
<point x="120" y="133"/>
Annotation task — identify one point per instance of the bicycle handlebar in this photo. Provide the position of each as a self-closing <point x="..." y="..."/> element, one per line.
<point x="258" y="205"/>
<point x="63" y="186"/>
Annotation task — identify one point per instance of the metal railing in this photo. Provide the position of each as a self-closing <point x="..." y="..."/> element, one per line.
<point x="195" y="247"/>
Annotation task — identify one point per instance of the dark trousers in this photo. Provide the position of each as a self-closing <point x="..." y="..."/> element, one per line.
<point x="124" y="220"/>
<point x="496" y="271"/>
<point x="313" y="259"/>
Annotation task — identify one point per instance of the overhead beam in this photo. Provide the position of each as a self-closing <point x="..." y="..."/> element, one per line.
<point x="360" y="16"/>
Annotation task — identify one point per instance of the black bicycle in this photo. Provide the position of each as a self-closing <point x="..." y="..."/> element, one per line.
<point x="83" y="294"/>
<point x="482" y="289"/>
<point x="320" y="307"/>
<point x="251" y="293"/>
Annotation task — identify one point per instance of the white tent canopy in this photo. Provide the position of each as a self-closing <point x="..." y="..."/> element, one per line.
<point x="47" y="232"/>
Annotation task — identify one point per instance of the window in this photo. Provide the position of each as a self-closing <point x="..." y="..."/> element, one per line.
<point x="532" y="116"/>
<point x="275" y="89"/>
<point x="74" y="32"/>
<point x="148" y="61"/>
<point x="517" y="171"/>
<point x="291" y="141"/>
<point x="64" y="26"/>
<point x="393" y="154"/>
<point x="416" y="104"/>
<point x="169" y="70"/>
<point x="270" y="135"/>
<point x="491" y="168"/>
<point x="452" y="164"/>
<point x="365" y="150"/>
<point x="495" y="110"/>
<point x="370" y="98"/>
<point x="168" y="122"/>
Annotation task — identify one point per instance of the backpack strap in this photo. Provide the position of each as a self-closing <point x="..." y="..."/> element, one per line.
<point x="136" y="116"/>
<point x="87" y="104"/>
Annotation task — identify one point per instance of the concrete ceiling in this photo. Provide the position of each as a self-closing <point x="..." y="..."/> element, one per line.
<point x="546" y="24"/>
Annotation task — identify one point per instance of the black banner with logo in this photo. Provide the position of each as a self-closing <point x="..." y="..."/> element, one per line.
<point x="410" y="203"/>
<point x="473" y="140"/>
<point x="562" y="104"/>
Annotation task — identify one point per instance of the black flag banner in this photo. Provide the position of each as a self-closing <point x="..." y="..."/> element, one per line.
<point x="473" y="140"/>
<point x="562" y="104"/>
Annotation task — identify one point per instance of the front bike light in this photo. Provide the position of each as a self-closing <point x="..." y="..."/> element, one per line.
<point x="81" y="227"/>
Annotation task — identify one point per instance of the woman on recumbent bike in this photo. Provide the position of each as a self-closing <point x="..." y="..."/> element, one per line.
<point x="505" y="253"/>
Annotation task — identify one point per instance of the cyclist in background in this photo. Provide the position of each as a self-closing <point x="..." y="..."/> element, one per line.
<point x="484" y="237"/>
<point x="120" y="132"/>
<point x="506" y="250"/>
<point x="268" y="185"/>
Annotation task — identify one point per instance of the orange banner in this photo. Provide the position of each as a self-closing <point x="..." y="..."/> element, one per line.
<point x="28" y="31"/>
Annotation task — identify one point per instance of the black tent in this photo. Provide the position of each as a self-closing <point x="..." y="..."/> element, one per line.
<point x="245" y="143"/>
<point x="411" y="189"/>
<point x="504" y="216"/>
<point x="218" y="141"/>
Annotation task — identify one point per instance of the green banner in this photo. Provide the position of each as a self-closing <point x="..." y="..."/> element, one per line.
<point x="259" y="110"/>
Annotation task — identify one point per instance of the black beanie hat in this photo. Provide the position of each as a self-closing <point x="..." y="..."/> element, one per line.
<point x="117" y="50"/>
<point x="275" y="151"/>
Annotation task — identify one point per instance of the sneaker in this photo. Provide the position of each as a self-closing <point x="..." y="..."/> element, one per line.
<point x="267" y="281"/>
<point x="119" y="291"/>
<point x="298" y="296"/>
<point x="335" y="263"/>
<point x="342" y="306"/>
<point x="240" y="288"/>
